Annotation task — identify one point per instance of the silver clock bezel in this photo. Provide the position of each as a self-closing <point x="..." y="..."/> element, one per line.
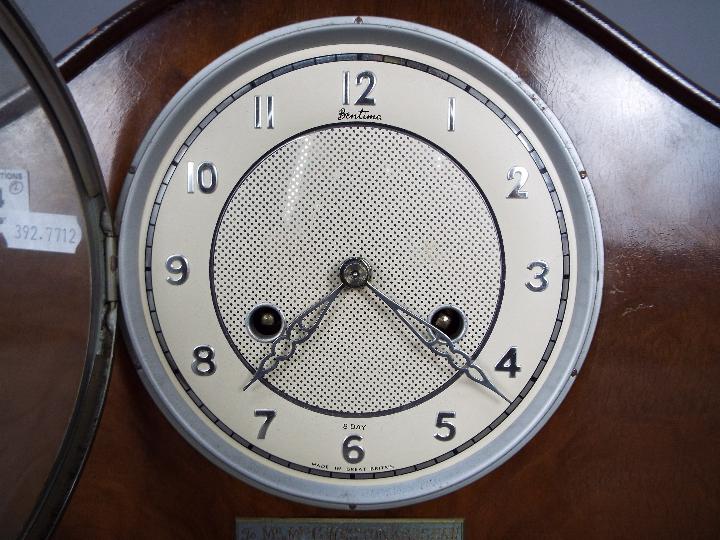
<point x="445" y="47"/>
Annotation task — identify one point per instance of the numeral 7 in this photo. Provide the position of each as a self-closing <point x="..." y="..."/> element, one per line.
<point x="269" y="415"/>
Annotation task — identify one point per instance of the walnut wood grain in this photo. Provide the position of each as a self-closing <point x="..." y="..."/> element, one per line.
<point x="632" y="451"/>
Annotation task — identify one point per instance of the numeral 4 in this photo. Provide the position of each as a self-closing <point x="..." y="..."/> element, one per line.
<point x="508" y="363"/>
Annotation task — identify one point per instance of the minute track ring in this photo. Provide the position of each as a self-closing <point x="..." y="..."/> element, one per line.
<point x="412" y="490"/>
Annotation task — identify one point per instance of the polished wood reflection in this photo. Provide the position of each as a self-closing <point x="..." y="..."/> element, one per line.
<point x="44" y="320"/>
<point x="632" y="451"/>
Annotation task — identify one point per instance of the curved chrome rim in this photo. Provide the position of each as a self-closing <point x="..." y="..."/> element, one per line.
<point x="368" y="495"/>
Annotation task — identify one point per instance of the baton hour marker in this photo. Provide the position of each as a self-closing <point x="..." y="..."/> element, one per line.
<point x="451" y="114"/>
<point x="270" y="112"/>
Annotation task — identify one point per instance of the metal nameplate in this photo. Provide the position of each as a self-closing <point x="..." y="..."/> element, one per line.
<point x="349" y="529"/>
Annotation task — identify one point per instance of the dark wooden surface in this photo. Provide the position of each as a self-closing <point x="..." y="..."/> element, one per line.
<point x="632" y="451"/>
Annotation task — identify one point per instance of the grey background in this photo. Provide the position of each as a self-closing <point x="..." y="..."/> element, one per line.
<point x="684" y="33"/>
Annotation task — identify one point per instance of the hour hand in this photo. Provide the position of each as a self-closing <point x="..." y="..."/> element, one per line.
<point x="300" y="329"/>
<point x="438" y="342"/>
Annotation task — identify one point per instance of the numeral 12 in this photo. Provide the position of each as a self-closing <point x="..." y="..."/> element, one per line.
<point x="364" y="98"/>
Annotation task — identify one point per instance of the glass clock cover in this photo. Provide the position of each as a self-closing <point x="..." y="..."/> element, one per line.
<point x="56" y="311"/>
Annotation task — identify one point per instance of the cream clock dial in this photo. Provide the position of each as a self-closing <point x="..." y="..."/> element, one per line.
<point x="360" y="262"/>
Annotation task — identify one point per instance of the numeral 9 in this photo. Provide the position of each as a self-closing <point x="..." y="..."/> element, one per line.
<point x="177" y="265"/>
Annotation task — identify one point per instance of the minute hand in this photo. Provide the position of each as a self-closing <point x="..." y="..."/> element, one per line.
<point x="298" y="331"/>
<point x="439" y="343"/>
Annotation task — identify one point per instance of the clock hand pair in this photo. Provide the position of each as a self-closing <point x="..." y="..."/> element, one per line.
<point x="300" y="329"/>
<point x="355" y="273"/>
<point x="438" y="342"/>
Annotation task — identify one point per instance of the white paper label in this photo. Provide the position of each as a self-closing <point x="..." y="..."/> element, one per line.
<point x="41" y="232"/>
<point x="13" y="191"/>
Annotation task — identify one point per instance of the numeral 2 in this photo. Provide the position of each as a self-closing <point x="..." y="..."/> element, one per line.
<point x="519" y="175"/>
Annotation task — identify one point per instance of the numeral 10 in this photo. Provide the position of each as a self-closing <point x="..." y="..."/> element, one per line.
<point x="205" y="177"/>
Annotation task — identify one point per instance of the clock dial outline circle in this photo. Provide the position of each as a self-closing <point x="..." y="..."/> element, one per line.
<point x="332" y="270"/>
<point x="537" y="372"/>
<point x="468" y="58"/>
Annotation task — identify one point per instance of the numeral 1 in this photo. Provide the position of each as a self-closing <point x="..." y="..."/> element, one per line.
<point x="451" y="114"/>
<point x="269" y="112"/>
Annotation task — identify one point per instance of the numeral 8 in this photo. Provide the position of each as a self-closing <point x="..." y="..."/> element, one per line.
<point x="203" y="364"/>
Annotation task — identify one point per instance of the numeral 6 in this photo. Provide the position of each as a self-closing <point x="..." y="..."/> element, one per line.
<point x="353" y="453"/>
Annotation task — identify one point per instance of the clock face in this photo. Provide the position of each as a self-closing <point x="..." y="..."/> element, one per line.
<point x="360" y="265"/>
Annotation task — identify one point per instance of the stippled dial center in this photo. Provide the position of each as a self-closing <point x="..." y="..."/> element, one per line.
<point x="371" y="192"/>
